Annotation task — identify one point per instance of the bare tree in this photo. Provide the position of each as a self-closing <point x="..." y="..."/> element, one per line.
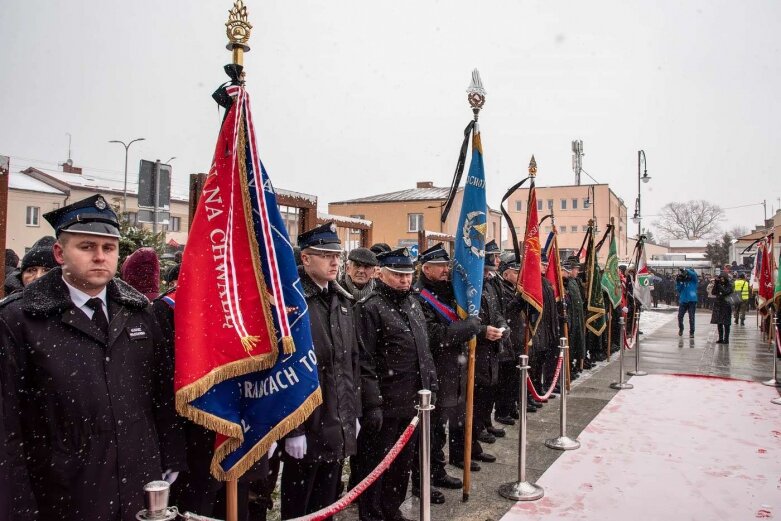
<point x="738" y="231"/>
<point x="690" y="220"/>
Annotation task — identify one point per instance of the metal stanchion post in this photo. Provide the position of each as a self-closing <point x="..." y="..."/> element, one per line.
<point x="522" y="490"/>
<point x="637" y="371"/>
<point x="620" y="384"/>
<point x="563" y="442"/>
<point x="774" y="382"/>
<point x="424" y="450"/>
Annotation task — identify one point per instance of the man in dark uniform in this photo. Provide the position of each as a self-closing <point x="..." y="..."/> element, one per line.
<point x="315" y="450"/>
<point x="395" y="364"/>
<point x="576" y="315"/>
<point x="92" y="376"/>
<point x="447" y="337"/>
<point x="489" y="346"/>
<point x="509" y="374"/>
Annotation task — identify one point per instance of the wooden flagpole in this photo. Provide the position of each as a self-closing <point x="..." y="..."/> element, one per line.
<point x="238" y="31"/>
<point x="470" y="401"/>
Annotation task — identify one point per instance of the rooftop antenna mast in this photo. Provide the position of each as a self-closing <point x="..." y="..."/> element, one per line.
<point x="69" y="161"/>
<point x="577" y="159"/>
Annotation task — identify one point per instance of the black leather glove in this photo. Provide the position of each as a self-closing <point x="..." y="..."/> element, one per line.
<point x="463" y="330"/>
<point x="372" y="420"/>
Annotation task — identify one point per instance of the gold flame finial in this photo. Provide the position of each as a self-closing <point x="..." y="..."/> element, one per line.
<point x="532" y="167"/>
<point x="591" y="222"/>
<point x="238" y="30"/>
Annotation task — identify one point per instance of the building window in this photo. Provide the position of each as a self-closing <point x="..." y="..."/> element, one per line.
<point x="132" y="218"/>
<point x="55" y="206"/>
<point x="176" y="223"/>
<point x="550" y="204"/>
<point x="563" y="229"/>
<point x="518" y="206"/>
<point x="563" y="204"/>
<point x="547" y="228"/>
<point x="32" y="216"/>
<point x="585" y="228"/>
<point x="357" y="216"/>
<point x="574" y="204"/>
<point x="414" y="222"/>
<point x="573" y="229"/>
<point x="539" y="204"/>
<point x="290" y="215"/>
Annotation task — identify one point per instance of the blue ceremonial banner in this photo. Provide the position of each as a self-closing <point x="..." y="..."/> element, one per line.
<point x="246" y="366"/>
<point x="469" y="255"/>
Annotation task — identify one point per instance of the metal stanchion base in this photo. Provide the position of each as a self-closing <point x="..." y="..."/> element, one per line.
<point x="776" y="401"/>
<point x="772" y="383"/>
<point x="521" y="491"/>
<point x="562" y="443"/>
<point x="636" y="373"/>
<point x="619" y="385"/>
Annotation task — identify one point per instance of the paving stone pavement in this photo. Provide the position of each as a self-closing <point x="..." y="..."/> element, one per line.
<point x="662" y="351"/>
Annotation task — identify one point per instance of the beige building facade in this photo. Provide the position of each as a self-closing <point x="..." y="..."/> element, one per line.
<point x="398" y="218"/>
<point x="572" y="206"/>
<point x="34" y="192"/>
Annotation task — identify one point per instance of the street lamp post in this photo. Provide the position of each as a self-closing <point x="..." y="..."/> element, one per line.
<point x="124" y="190"/>
<point x="642" y="166"/>
<point x="591" y="201"/>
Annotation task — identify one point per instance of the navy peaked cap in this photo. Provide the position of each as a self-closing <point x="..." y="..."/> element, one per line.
<point x="91" y="216"/>
<point x="323" y="237"/>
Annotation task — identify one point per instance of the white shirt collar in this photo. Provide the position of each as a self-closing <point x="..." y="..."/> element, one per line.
<point x="80" y="298"/>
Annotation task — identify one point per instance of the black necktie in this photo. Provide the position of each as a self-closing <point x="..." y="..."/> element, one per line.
<point x="98" y="316"/>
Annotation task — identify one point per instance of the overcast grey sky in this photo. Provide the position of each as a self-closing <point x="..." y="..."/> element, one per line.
<point x="356" y="98"/>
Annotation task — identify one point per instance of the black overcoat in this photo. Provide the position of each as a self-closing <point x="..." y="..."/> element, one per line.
<point x="488" y="351"/>
<point x="448" y="350"/>
<point x="97" y="414"/>
<point x="395" y="358"/>
<point x="722" y="310"/>
<point x="330" y="429"/>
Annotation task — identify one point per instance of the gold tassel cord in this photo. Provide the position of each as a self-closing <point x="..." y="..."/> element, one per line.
<point x="288" y="346"/>
<point x="249" y="343"/>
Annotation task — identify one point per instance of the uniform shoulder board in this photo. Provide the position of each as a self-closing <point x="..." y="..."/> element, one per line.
<point x="10" y="298"/>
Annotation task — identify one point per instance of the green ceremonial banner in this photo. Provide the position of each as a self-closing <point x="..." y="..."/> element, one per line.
<point x="595" y="302"/>
<point x="611" y="281"/>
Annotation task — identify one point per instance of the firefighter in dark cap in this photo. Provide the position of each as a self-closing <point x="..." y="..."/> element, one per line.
<point x="576" y="315"/>
<point x="88" y="376"/>
<point x="395" y="364"/>
<point x="315" y="450"/>
<point x="447" y="337"/>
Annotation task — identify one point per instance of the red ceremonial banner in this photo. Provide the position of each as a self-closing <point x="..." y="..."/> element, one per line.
<point x="530" y="279"/>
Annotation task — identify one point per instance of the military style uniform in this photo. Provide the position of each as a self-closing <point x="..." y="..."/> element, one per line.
<point x="311" y="483"/>
<point x="395" y="364"/>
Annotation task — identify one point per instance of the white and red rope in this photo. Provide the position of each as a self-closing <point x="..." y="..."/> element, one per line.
<point x="533" y="391"/>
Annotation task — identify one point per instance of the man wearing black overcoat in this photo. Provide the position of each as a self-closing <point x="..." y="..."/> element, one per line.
<point x="92" y="377"/>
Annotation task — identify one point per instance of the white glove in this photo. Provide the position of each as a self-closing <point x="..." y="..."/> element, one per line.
<point x="357" y="427"/>
<point x="625" y="309"/>
<point x="296" y="447"/>
<point x="170" y="476"/>
<point x="272" y="449"/>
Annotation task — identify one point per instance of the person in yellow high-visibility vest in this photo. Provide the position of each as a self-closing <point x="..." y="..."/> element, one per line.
<point x="742" y="288"/>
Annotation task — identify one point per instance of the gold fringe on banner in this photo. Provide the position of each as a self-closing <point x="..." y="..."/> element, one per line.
<point x="261" y="448"/>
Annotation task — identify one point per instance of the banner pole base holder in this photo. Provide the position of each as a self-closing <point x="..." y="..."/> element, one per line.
<point x="621" y="385"/>
<point x="772" y="383"/>
<point x="636" y="373"/>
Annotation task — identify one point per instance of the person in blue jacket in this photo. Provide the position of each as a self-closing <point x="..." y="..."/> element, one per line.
<point x="686" y="286"/>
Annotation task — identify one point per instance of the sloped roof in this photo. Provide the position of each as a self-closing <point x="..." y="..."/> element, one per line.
<point x="90" y="181"/>
<point x="413" y="194"/>
<point x="22" y="181"/>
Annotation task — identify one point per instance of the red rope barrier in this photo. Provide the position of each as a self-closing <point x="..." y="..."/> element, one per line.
<point x="533" y="391"/>
<point x="348" y="498"/>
